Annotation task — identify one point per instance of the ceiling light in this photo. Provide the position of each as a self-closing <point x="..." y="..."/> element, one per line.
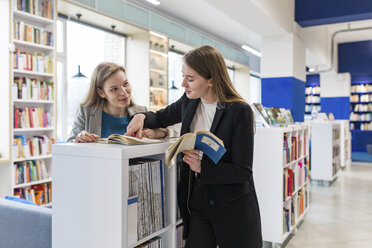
<point x="251" y="50"/>
<point x="154" y="2"/>
<point x="311" y="69"/>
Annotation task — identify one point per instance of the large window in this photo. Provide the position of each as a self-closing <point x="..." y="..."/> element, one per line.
<point x="85" y="46"/>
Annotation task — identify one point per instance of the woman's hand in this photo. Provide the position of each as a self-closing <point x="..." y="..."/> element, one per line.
<point x="153" y="133"/>
<point x="192" y="159"/>
<point x="136" y="125"/>
<point x="84" y="137"/>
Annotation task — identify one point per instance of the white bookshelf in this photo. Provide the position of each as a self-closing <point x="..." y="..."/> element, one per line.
<point x="8" y="173"/>
<point x="90" y="190"/>
<point x="345" y="143"/>
<point x="325" y="151"/>
<point x="270" y="165"/>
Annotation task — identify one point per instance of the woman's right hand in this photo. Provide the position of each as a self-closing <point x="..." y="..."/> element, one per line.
<point x="84" y="137"/>
<point x="135" y="126"/>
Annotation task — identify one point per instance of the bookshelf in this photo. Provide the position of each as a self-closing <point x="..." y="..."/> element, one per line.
<point x="325" y="151"/>
<point x="90" y="188"/>
<point x="361" y="106"/>
<point x="345" y="143"/>
<point x="33" y="108"/>
<point x="158" y="71"/>
<point x="312" y="98"/>
<point x="283" y="193"/>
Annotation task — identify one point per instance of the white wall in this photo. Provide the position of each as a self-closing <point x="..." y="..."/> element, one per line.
<point x="335" y="84"/>
<point x="138" y="65"/>
<point x="299" y="60"/>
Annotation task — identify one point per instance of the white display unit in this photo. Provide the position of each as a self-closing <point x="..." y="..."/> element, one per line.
<point x="345" y="143"/>
<point x="325" y="151"/>
<point x="270" y="165"/>
<point x="38" y="17"/>
<point x="90" y="191"/>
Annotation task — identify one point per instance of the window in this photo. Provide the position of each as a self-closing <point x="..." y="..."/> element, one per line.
<point x="175" y="76"/>
<point x="85" y="46"/>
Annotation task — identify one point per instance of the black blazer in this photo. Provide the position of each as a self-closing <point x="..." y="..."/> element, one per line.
<point x="232" y="177"/>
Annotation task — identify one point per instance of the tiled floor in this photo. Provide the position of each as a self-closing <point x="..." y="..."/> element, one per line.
<point x="340" y="215"/>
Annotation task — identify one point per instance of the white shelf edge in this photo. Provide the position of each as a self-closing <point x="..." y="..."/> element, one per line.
<point x="33" y="73"/>
<point x="24" y="185"/>
<point x="158" y="71"/>
<point x="179" y="222"/>
<point x="32" y="17"/>
<point x="147" y="238"/>
<point x="33" y="158"/>
<point x="159" y="53"/>
<point x="48" y="205"/>
<point x="20" y="130"/>
<point x="158" y="88"/>
<point x="32" y="101"/>
<point x="294" y="161"/>
<point x="32" y="44"/>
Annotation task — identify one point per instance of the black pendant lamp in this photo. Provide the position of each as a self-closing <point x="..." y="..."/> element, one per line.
<point x="173" y="87"/>
<point x="79" y="74"/>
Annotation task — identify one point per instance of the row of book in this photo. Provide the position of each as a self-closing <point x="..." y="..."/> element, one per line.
<point x="294" y="210"/>
<point x="158" y="97"/>
<point x="39" y="194"/>
<point x="295" y="150"/>
<point x="36" y="7"/>
<point x="361" y="98"/>
<point x="32" y="89"/>
<point x="336" y="133"/>
<point x="180" y="241"/>
<point x="363" y="107"/>
<point x="146" y="181"/>
<point x="33" y="146"/>
<point x="312" y="99"/>
<point x="274" y="116"/>
<point x="336" y="166"/>
<point x="37" y="62"/>
<point x="32" y="118"/>
<point x="311" y="108"/>
<point x="315" y="90"/>
<point x="361" y="126"/>
<point x="294" y="178"/>
<point x="31" y="33"/>
<point x="360" y="117"/>
<point x="361" y="88"/>
<point x="152" y="243"/>
<point x="30" y="171"/>
<point x="335" y="150"/>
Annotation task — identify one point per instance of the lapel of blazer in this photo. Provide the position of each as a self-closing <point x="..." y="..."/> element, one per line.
<point x="189" y="115"/>
<point x="95" y="120"/>
<point x="221" y="108"/>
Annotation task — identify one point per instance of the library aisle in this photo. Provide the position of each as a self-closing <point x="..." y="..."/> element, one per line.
<point x="340" y="215"/>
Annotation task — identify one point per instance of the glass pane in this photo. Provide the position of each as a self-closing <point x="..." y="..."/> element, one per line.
<point x="254" y="90"/>
<point x="231" y="74"/>
<point x="175" y="76"/>
<point x="60" y="36"/>
<point x="61" y="136"/>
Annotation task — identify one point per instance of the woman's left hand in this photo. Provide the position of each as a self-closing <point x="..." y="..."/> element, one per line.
<point x="153" y="133"/>
<point x="192" y="159"/>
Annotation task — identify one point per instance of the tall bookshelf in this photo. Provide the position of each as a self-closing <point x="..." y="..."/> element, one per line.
<point x="33" y="77"/>
<point x="158" y="71"/>
<point x="325" y="151"/>
<point x="345" y="143"/>
<point x="312" y="98"/>
<point x="96" y="177"/>
<point x="361" y="106"/>
<point x="281" y="175"/>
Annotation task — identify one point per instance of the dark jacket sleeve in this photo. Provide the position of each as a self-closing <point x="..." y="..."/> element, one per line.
<point x="236" y="165"/>
<point x="171" y="115"/>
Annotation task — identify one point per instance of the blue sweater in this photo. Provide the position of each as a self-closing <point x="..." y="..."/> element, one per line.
<point x="113" y="124"/>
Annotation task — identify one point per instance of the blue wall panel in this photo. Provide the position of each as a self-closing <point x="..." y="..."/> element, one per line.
<point x="339" y="106"/>
<point x="312" y="79"/>
<point x="319" y="12"/>
<point x="285" y="92"/>
<point x="360" y="140"/>
<point x="355" y="57"/>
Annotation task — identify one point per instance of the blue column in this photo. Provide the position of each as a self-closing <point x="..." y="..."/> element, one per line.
<point x="285" y="92"/>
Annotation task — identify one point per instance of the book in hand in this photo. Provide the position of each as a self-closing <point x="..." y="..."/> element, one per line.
<point x="202" y="140"/>
<point x="126" y="140"/>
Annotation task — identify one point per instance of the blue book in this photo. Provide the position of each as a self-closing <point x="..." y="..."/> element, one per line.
<point x="202" y="140"/>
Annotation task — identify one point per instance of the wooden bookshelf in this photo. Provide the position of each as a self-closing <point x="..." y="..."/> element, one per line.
<point x="96" y="177"/>
<point x="158" y="71"/>
<point x="286" y="153"/>
<point x="32" y="85"/>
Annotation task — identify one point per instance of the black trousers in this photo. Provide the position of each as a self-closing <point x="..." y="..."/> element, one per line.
<point x="201" y="233"/>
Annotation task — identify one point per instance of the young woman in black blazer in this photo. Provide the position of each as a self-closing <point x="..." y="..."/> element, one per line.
<point x="218" y="202"/>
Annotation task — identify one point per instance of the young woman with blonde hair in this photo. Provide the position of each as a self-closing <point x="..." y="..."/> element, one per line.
<point x="218" y="202"/>
<point x="108" y="106"/>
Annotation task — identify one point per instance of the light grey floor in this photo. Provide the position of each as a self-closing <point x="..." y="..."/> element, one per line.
<point x="340" y="215"/>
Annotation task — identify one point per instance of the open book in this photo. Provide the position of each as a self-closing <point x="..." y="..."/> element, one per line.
<point x="126" y="140"/>
<point x="202" y="140"/>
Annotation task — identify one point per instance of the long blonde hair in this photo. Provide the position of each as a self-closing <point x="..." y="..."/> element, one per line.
<point x="101" y="73"/>
<point x="209" y="63"/>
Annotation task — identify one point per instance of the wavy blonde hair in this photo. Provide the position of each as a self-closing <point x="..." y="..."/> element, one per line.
<point x="101" y="73"/>
<point x="209" y="63"/>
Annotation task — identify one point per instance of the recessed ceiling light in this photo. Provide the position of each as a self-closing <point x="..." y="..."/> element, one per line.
<point x="251" y="50"/>
<point x="154" y="2"/>
<point x="311" y="69"/>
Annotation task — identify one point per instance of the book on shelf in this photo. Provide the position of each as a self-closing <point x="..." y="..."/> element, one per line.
<point x="202" y="140"/>
<point x="126" y="140"/>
